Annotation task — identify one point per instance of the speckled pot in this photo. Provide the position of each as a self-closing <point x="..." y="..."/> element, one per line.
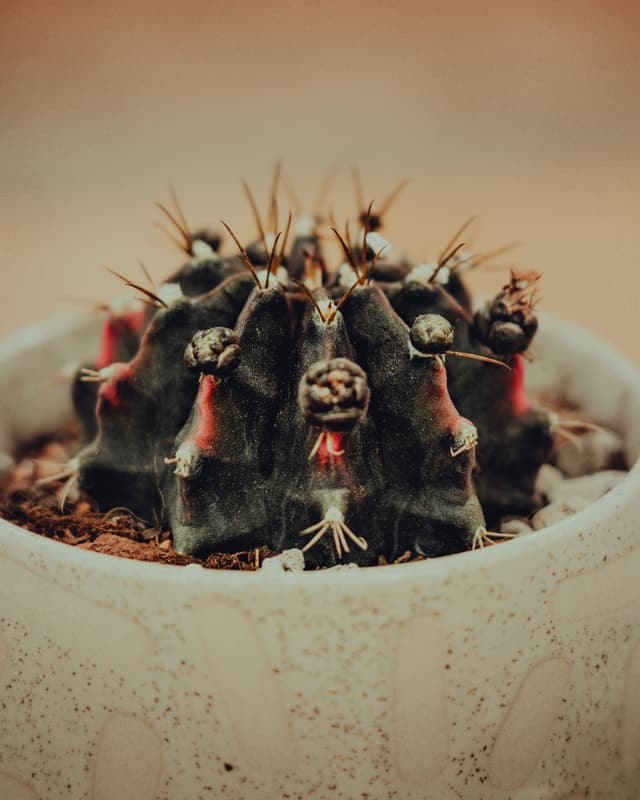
<point x="512" y="672"/>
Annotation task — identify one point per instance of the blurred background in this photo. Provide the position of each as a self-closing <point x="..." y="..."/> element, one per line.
<point x="527" y="115"/>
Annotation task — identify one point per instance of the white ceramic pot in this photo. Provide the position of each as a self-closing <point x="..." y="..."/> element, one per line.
<point x="511" y="672"/>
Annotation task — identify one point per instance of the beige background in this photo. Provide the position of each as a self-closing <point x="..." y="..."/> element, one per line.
<point x="526" y="114"/>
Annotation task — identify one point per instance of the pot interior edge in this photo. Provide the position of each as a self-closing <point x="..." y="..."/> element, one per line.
<point x="36" y="365"/>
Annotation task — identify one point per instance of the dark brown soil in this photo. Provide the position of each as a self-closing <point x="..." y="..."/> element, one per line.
<point x="31" y="497"/>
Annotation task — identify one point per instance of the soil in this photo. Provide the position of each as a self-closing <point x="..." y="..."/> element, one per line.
<point x="30" y="496"/>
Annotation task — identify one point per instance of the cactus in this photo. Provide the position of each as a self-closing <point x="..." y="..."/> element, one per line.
<point x="356" y="412"/>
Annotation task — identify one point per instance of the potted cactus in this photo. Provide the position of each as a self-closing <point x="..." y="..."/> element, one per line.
<point x="289" y="406"/>
<point x="265" y="400"/>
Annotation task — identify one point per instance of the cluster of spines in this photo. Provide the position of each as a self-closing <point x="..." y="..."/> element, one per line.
<point x="270" y="403"/>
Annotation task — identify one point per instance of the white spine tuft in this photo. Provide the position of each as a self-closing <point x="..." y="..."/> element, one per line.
<point x="203" y="252"/>
<point x="169" y="293"/>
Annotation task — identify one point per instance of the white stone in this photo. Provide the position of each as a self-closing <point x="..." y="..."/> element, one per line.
<point x="6" y="463"/>
<point x="288" y="561"/>
<point x="516" y="526"/>
<point x="548" y="478"/>
<point x="556" y="512"/>
<point x="602" y="449"/>
<point x="588" y="487"/>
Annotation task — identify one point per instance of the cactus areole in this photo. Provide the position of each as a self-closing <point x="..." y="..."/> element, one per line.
<point x="355" y="411"/>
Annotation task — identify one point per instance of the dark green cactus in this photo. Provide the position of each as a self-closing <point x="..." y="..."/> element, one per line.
<point x="268" y="400"/>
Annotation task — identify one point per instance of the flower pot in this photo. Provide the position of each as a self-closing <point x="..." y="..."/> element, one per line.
<point x="511" y="672"/>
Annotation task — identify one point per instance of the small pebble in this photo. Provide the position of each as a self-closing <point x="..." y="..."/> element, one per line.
<point x="600" y="450"/>
<point x="288" y="561"/>
<point x="588" y="487"/>
<point x="548" y="478"/>
<point x="515" y="526"/>
<point x="44" y="468"/>
<point x="24" y="472"/>
<point x="55" y="451"/>
<point x="6" y="463"/>
<point x="556" y="512"/>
